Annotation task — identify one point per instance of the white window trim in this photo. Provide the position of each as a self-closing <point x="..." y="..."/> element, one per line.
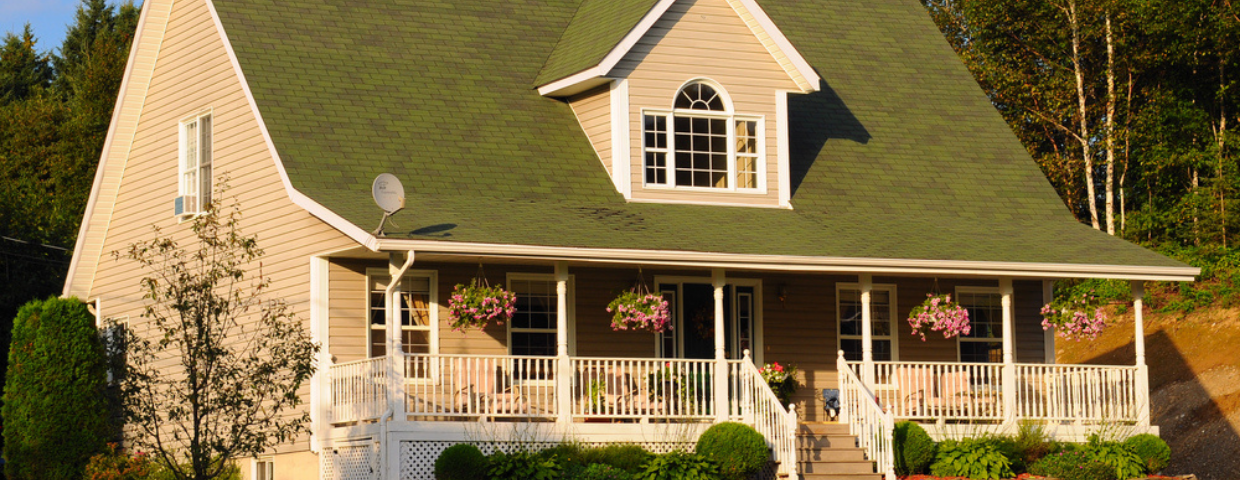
<point x="890" y="288"/>
<point x="572" y="308"/>
<point x="255" y="465"/>
<point x="433" y="306"/>
<point x="756" y="352"/>
<point x="976" y="290"/>
<point x="182" y="141"/>
<point x="728" y="114"/>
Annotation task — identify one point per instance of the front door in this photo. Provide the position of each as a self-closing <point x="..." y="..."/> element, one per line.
<point x="693" y="310"/>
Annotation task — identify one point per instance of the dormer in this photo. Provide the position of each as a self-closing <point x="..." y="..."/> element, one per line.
<point x="685" y="103"/>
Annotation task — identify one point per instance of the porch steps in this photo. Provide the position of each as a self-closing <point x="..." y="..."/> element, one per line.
<point x="826" y="451"/>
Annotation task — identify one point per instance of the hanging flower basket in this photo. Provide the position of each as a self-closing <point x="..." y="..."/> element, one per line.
<point x="476" y="305"/>
<point x="1075" y="318"/>
<point x="939" y="314"/>
<point x="640" y="310"/>
<point x="782" y="380"/>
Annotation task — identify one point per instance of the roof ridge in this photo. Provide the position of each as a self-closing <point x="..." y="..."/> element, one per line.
<point x="555" y="47"/>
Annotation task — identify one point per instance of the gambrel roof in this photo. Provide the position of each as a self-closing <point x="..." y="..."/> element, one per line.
<point x="899" y="157"/>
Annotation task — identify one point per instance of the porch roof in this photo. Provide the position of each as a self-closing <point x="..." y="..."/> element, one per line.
<point x="900" y="156"/>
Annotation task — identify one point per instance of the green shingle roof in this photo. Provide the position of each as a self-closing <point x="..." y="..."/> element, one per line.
<point x="595" y="30"/>
<point x="899" y="156"/>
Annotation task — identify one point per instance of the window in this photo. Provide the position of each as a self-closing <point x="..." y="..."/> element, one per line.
<point x="195" y="166"/>
<point x="418" y="319"/>
<point x="882" y="316"/>
<point x="701" y="143"/>
<point x="533" y="327"/>
<point x="115" y="338"/>
<point x="264" y="468"/>
<point x="984" y="343"/>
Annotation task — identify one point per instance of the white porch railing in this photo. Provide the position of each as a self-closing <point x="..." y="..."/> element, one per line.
<point x="643" y="388"/>
<point x="761" y="408"/>
<point x="358" y="390"/>
<point x="480" y="386"/>
<point x="866" y="420"/>
<point x="933" y="391"/>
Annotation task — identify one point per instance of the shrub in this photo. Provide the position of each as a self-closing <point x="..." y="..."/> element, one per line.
<point x="523" y="466"/>
<point x="1009" y="449"/>
<point x="629" y="458"/>
<point x="737" y="449"/>
<point x="461" y="462"/>
<point x="115" y="464"/>
<point x="970" y="458"/>
<point x="679" y="466"/>
<point x="1072" y="465"/>
<point x="1154" y="452"/>
<point x="1115" y="455"/>
<point x="1032" y="443"/>
<point x="55" y="408"/>
<point x="914" y="448"/>
<point x="601" y="471"/>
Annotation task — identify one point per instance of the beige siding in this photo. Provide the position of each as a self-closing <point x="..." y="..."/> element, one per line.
<point x="593" y="109"/>
<point x="193" y="74"/>
<point x="696" y="39"/>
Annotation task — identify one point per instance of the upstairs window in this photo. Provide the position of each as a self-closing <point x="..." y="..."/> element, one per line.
<point x="702" y="143"/>
<point x="194" y="166"/>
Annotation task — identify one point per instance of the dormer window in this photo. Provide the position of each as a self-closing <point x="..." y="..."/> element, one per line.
<point x="707" y="145"/>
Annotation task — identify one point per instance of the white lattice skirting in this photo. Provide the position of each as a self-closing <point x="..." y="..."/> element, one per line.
<point x="417" y="459"/>
<point x="353" y="461"/>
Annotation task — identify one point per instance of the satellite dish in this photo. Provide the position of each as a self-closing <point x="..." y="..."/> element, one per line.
<point x="389" y="194"/>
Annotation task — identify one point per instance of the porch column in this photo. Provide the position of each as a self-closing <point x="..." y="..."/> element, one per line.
<point x="320" y="385"/>
<point x="1143" y="371"/>
<point x="1009" y="353"/>
<point x="564" y="377"/>
<point x="720" y="388"/>
<point x="398" y="263"/>
<point x="867" y="332"/>
<point x="1048" y="296"/>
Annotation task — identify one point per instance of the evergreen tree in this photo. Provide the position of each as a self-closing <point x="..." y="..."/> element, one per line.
<point x="23" y="72"/>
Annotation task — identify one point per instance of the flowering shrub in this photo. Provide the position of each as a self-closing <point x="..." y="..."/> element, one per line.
<point x="119" y="465"/>
<point x="1075" y="318"/>
<point x="940" y="314"/>
<point x="638" y="311"/>
<point x="477" y="305"/>
<point x="782" y="380"/>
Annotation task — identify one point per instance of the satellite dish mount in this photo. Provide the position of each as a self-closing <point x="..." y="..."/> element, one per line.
<point x="389" y="194"/>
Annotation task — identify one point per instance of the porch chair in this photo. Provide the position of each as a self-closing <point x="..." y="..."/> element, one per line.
<point x="484" y="389"/>
<point x="915" y="391"/>
<point x="605" y="392"/>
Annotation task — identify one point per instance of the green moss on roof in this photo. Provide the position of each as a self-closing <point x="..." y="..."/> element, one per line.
<point x="595" y="30"/>
<point x="899" y="156"/>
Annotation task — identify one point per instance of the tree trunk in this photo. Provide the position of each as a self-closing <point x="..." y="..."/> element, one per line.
<point x="1110" y="129"/>
<point x="1083" y="136"/>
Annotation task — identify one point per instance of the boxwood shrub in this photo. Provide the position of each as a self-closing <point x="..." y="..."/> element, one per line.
<point x="914" y="448"/>
<point x="461" y="462"/>
<point x="737" y="449"/>
<point x="1154" y="452"/>
<point x="1072" y="465"/>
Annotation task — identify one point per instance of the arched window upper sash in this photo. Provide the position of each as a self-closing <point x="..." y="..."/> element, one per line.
<point x="701" y="143"/>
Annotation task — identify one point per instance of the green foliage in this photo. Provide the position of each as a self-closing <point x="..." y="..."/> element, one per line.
<point x="914" y="448"/>
<point x="1153" y="451"/>
<point x="523" y="466"/>
<point x="220" y="371"/>
<point x="117" y="464"/>
<point x="1072" y="465"/>
<point x="23" y="72"/>
<point x="737" y="449"/>
<point x="1032" y="443"/>
<point x="54" y="411"/>
<point x="600" y="471"/>
<point x="679" y="466"/>
<point x="629" y="458"/>
<point x="461" y="462"/>
<point x="1115" y="455"/>
<point x="973" y="458"/>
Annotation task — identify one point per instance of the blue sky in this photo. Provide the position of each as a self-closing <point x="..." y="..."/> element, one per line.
<point x="48" y="18"/>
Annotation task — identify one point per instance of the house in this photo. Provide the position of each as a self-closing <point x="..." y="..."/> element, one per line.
<point x="792" y="176"/>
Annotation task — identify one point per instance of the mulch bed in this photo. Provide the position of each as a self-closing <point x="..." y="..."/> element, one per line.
<point x="1026" y="476"/>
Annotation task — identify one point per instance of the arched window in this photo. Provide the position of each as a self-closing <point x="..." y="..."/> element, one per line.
<point x="707" y="145"/>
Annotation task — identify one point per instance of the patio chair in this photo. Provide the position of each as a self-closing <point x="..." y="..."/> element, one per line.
<point x="915" y="390"/>
<point x="605" y="391"/>
<point x="484" y="389"/>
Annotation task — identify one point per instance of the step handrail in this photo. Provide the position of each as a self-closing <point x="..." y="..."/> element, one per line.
<point x="866" y="420"/>
<point x="762" y="408"/>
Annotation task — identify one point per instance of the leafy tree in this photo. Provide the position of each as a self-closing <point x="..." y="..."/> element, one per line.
<point x="54" y="409"/>
<point x="214" y="375"/>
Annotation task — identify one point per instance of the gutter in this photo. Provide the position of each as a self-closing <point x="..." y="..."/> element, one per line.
<point x="793" y="263"/>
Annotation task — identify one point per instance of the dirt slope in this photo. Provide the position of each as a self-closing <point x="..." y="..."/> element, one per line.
<point x="1195" y="380"/>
